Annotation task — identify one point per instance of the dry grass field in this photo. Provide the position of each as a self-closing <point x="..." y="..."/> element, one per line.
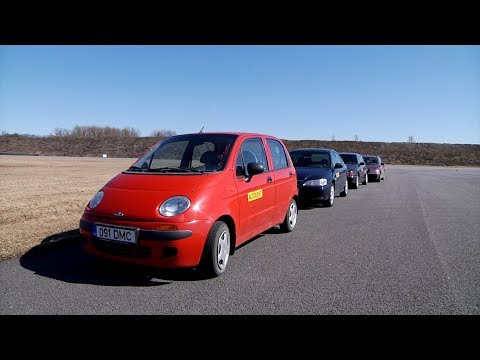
<point x="44" y="196"/>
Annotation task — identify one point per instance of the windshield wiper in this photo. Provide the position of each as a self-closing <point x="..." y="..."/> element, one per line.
<point x="135" y="168"/>
<point x="174" y="169"/>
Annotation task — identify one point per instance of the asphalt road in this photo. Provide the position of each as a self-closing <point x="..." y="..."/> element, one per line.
<point x="407" y="245"/>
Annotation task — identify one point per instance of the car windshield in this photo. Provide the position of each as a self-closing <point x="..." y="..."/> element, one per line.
<point x="189" y="154"/>
<point x="310" y="159"/>
<point x="370" y="160"/>
<point x="349" y="158"/>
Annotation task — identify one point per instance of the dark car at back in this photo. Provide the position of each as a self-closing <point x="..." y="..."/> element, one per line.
<point x="357" y="170"/>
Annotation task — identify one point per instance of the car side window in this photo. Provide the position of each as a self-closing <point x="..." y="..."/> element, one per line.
<point x="278" y="154"/>
<point x="337" y="158"/>
<point x="251" y="150"/>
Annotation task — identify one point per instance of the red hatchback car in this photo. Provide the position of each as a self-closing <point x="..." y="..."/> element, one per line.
<point x="192" y="199"/>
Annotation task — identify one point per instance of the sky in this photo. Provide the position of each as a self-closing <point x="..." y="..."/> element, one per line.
<point x="383" y="93"/>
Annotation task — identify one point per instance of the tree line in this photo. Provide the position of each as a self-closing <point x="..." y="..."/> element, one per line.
<point x="107" y="132"/>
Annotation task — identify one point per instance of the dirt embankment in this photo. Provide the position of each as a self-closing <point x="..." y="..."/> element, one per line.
<point x="392" y="153"/>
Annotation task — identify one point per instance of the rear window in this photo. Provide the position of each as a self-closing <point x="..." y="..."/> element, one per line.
<point x="371" y="160"/>
<point x="310" y="159"/>
<point x="349" y="158"/>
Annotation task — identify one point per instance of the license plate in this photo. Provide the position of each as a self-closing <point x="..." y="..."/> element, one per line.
<point x="125" y="235"/>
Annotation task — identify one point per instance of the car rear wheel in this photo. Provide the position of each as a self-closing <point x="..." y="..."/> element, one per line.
<point x="330" y="200"/>
<point x="345" y="189"/>
<point x="290" y="218"/>
<point x="355" y="184"/>
<point x="217" y="249"/>
<point x="365" y="182"/>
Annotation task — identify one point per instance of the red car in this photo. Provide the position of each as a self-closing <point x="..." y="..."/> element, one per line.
<point x="376" y="167"/>
<point x="192" y="199"/>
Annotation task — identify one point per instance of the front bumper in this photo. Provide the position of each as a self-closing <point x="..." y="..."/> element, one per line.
<point x="314" y="194"/>
<point x="161" y="249"/>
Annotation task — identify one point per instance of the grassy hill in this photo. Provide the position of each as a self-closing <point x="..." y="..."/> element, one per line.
<point x="133" y="147"/>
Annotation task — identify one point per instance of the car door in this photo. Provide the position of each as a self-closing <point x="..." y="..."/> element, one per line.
<point x="284" y="179"/>
<point x="256" y="195"/>
<point x="362" y="168"/>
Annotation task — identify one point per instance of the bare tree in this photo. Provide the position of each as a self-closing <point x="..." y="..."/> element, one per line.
<point x="333" y="137"/>
<point x="60" y="132"/>
<point x="356" y="137"/>
<point x="411" y="139"/>
<point x="96" y="132"/>
<point x="163" y="133"/>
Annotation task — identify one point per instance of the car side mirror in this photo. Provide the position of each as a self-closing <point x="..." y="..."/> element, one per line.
<point x="338" y="166"/>
<point x="382" y="163"/>
<point x="362" y="163"/>
<point x="254" y="169"/>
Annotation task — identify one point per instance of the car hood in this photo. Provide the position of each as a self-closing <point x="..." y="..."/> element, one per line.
<point x="137" y="196"/>
<point x="310" y="173"/>
<point x="373" y="167"/>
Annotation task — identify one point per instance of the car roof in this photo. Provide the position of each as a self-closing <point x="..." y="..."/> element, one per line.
<point x="229" y="133"/>
<point x="348" y="153"/>
<point x="370" y="155"/>
<point x="312" y="149"/>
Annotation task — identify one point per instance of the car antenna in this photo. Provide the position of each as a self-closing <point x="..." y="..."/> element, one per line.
<point x="201" y="130"/>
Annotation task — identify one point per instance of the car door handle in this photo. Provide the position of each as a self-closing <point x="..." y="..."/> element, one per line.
<point x="291" y="173"/>
<point x="269" y="179"/>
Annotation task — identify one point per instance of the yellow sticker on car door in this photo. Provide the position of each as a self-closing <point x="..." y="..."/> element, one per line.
<point x="255" y="195"/>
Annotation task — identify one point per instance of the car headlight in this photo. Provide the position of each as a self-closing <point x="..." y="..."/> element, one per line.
<point x="96" y="200"/>
<point x="174" y="206"/>
<point x="316" y="182"/>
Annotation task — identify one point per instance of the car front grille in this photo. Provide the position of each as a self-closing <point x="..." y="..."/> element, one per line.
<point x="127" y="250"/>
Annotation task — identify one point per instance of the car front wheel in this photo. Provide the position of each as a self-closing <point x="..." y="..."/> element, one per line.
<point x="217" y="250"/>
<point x="330" y="200"/>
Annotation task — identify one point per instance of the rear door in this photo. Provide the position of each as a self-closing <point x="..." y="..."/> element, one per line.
<point x="256" y="195"/>
<point x="284" y="179"/>
<point x="362" y="169"/>
<point x="339" y="174"/>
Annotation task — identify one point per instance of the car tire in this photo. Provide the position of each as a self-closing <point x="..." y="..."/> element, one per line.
<point x="217" y="250"/>
<point x="345" y="190"/>
<point x="290" y="217"/>
<point x="355" y="184"/>
<point x="331" y="199"/>
<point x="365" y="182"/>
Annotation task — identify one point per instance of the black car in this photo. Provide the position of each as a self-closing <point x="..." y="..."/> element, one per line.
<point x="321" y="174"/>
<point x="357" y="170"/>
